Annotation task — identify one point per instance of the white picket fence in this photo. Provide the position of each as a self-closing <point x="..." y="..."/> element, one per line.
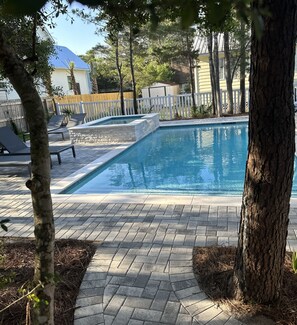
<point x="169" y="107"/>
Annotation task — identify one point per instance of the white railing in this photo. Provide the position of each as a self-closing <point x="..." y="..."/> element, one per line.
<point x="169" y="107"/>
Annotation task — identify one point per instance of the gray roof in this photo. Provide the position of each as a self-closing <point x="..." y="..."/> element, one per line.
<point x="200" y="44"/>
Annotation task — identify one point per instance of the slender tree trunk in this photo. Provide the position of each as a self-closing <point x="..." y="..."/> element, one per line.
<point x="47" y="81"/>
<point x="269" y="169"/>
<point x="72" y="77"/>
<point x="119" y="68"/>
<point x="191" y="66"/>
<point x="228" y="74"/>
<point x="39" y="185"/>
<point x="212" y="73"/>
<point x="217" y="74"/>
<point x="242" y="67"/>
<point x="95" y="88"/>
<point x="135" y="104"/>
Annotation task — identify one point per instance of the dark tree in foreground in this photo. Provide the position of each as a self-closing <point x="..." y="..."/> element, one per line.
<point x="269" y="169"/>
<point x="39" y="185"/>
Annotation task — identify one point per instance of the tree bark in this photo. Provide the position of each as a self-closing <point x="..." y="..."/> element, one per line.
<point x="242" y="67"/>
<point x="228" y="74"/>
<point x="263" y="230"/>
<point x="72" y="77"/>
<point x="212" y="73"/>
<point x="135" y="104"/>
<point x="191" y="71"/>
<point x="95" y="88"/>
<point x="217" y="75"/>
<point x="39" y="185"/>
<point x="119" y="68"/>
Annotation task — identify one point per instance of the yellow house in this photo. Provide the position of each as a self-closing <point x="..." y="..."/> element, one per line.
<point x="202" y="74"/>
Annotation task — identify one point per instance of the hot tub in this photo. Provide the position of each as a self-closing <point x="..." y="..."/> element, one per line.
<point x="115" y="129"/>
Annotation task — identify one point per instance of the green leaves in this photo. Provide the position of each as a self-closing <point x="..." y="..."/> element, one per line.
<point x="21" y="8"/>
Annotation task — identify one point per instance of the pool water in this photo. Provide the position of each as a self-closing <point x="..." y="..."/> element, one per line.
<point x="119" y="120"/>
<point x="207" y="160"/>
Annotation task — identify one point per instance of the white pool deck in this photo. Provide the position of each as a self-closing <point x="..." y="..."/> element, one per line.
<point x="141" y="273"/>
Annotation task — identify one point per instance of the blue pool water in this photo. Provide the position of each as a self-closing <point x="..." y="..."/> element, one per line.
<point x="183" y="160"/>
<point x="119" y="120"/>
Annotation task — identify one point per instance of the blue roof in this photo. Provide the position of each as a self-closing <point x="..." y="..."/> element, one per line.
<point x="64" y="56"/>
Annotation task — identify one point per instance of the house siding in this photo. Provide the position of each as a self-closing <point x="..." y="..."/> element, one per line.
<point x="203" y="77"/>
<point x="59" y="78"/>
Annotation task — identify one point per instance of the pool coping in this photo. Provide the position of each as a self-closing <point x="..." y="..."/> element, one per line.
<point x="148" y="198"/>
<point x="62" y="185"/>
<point x="106" y="118"/>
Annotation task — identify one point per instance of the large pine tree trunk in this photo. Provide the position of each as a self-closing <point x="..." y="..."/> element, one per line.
<point x="228" y="74"/>
<point x="269" y="169"/>
<point x="39" y="185"/>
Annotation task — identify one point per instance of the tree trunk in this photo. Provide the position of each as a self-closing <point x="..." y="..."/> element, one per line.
<point x="269" y="170"/>
<point x="228" y="74"/>
<point x="135" y="104"/>
<point x="39" y="185"/>
<point x="217" y="75"/>
<point x="95" y="88"/>
<point x="212" y="73"/>
<point x="191" y="70"/>
<point x="119" y="68"/>
<point x="242" y="67"/>
<point x="72" y="77"/>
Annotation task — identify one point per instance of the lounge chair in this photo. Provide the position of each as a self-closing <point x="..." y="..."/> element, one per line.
<point x="54" y="123"/>
<point x="15" y="146"/>
<point x="75" y="119"/>
<point x="15" y="161"/>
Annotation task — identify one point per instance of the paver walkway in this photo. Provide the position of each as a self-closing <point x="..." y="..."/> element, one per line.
<point x="141" y="273"/>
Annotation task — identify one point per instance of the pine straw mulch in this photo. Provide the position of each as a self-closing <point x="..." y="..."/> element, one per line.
<point x="213" y="267"/>
<point x="71" y="261"/>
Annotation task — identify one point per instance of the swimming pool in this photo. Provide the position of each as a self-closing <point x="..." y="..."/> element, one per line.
<point x="205" y="160"/>
<point x="119" y="120"/>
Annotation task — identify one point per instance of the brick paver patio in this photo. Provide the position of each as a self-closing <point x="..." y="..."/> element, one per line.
<point x="141" y="273"/>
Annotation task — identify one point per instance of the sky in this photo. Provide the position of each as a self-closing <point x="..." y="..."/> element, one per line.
<point x="78" y="36"/>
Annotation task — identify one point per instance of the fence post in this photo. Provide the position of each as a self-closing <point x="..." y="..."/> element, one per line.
<point x="223" y="101"/>
<point x="81" y="107"/>
<point x="170" y="106"/>
<point x="125" y="107"/>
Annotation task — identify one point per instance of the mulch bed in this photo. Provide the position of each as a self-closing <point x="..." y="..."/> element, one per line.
<point x="71" y="260"/>
<point x="213" y="267"/>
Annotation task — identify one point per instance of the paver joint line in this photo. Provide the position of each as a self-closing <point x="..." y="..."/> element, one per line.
<point x="141" y="273"/>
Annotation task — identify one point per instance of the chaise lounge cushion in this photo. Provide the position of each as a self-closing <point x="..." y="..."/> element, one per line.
<point x="15" y="161"/>
<point x="15" y="146"/>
